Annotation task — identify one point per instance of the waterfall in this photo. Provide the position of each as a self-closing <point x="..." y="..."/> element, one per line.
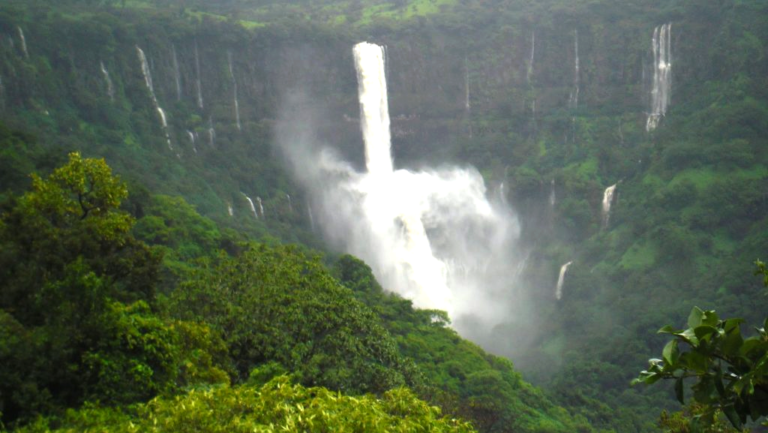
<point x="110" y="86"/>
<point x="198" y="81"/>
<point x="374" y="107"/>
<point x="433" y="236"/>
<point x="607" y="201"/>
<point x="192" y="140"/>
<point x="561" y="280"/>
<point x="23" y="43"/>
<point x="290" y="203"/>
<point x="230" y="211"/>
<point x="466" y="86"/>
<point x="211" y="133"/>
<point x="573" y="100"/>
<point x="661" y="87"/>
<point x="148" y="80"/>
<point x="311" y="218"/>
<point x="529" y="73"/>
<point x="261" y="206"/>
<point x="234" y="87"/>
<point x="176" y="73"/>
<point x="253" y="208"/>
<point x="552" y="197"/>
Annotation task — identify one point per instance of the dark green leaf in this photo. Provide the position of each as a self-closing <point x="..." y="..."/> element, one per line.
<point x="671" y="353"/>
<point x="679" y="390"/>
<point x="694" y="319"/>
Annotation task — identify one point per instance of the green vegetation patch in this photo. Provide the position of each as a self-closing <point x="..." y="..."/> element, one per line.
<point x="641" y="255"/>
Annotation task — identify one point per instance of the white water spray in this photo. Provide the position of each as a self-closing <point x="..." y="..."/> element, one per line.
<point x="661" y="87"/>
<point x="176" y="73"/>
<point x="230" y="211"/>
<point x="561" y="280"/>
<point x="253" y="208"/>
<point x="23" y="43"/>
<point x="607" y="201"/>
<point x="148" y="80"/>
<point x="198" y="81"/>
<point x="311" y="218"/>
<point x="110" y="86"/>
<point x="431" y="236"/>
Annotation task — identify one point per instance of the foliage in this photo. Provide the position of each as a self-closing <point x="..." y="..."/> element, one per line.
<point x="277" y="406"/>
<point x="731" y="372"/>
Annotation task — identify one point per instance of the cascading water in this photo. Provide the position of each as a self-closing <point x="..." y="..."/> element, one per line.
<point x="148" y="80"/>
<point x="198" y="81"/>
<point x="561" y="280"/>
<point x="261" y="206"/>
<point x="290" y="203"/>
<point x="250" y="202"/>
<point x="573" y="100"/>
<point x="552" y="196"/>
<point x="661" y="87"/>
<point x="529" y="73"/>
<point x="211" y="133"/>
<point x="192" y="140"/>
<point x="234" y="90"/>
<point x="176" y="73"/>
<point x="23" y="43"/>
<point x="607" y="201"/>
<point x="110" y="86"/>
<point x="431" y="236"/>
<point x="230" y="211"/>
<point x="311" y="218"/>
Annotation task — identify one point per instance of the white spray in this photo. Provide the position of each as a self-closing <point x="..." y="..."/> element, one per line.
<point x="561" y="280"/>
<point x="661" y="88"/>
<point x="23" y="43"/>
<point x="234" y="86"/>
<point x="230" y="211"/>
<point x="607" y="201"/>
<point x="176" y="73"/>
<point x="110" y="86"/>
<point x="148" y="80"/>
<point x="261" y="206"/>
<point x="431" y="236"/>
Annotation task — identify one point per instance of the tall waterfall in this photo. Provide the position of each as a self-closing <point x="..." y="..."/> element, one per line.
<point x="230" y="211"/>
<point x="661" y="86"/>
<point x="148" y="80"/>
<point x="176" y="73"/>
<point x="561" y="280"/>
<point x="290" y="203"/>
<point x="573" y="100"/>
<point x="607" y="201"/>
<point x="198" y="81"/>
<point x="110" y="86"/>
<point x="253" y="208"/>
<point x="234" y="86"/>
<point x="192" y="140"/>
<point x="529" y="73"/>
<point x="433" y="236"/>
<point x="374" y="108"/>
<point x="23" y="42"/>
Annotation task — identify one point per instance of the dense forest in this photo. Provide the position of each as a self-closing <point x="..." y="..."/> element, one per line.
<point x="169" y="263"/>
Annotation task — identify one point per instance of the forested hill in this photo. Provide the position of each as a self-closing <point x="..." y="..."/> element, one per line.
<point x="184" y="100"/>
